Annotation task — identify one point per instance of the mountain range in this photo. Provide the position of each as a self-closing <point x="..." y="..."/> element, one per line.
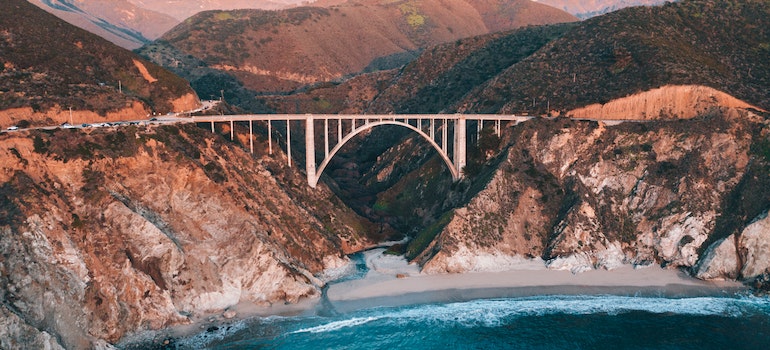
<point x="107" y="233"/>
<point x="133" y="23"/>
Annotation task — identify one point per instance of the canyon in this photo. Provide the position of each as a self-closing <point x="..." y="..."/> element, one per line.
<point x="106" y="233"/>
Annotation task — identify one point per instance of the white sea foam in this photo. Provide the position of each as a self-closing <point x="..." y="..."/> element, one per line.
<point x="495" y="312"/>
<point x="336" y="325"/>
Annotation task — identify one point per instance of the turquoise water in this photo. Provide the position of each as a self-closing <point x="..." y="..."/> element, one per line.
<point x="539" y="322"/>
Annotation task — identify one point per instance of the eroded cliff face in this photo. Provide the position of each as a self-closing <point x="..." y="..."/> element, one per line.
<point x="667" y="102"/>
<point x="107" y="232"/>
<point x="583" y="195"/>
<point x="745" y="254"/>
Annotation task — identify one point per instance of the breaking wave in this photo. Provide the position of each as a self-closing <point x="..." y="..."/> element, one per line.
<point x="526" y="322"/>
<point x="495" y="312"/>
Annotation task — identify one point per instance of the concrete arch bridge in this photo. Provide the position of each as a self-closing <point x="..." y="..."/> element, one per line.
<point x="437" y="129"/>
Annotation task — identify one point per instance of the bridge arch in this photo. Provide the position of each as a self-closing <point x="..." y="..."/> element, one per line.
<point x="452" y="169"/>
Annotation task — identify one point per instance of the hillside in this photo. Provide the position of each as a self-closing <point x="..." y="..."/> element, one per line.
<point x="280" y="51"/>
<point x="583" y="195"/>
<point x="182" y="10"/>
<point x="697" y="61"/>
<point x="50" y="66"/>
<point x="119" y="21"/>
<point x="721" y="44"/>
<point x="569" y="66"/>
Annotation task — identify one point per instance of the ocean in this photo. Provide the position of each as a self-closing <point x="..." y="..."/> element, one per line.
<point x="538" y="322"/>
<point x="574" y="321"/>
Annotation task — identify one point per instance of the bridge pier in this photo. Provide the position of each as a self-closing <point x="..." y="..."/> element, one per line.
<point x="312" y="180"/>
<point x="288" y="141"/>
<point x="444" y="131"/>
<point x="460" y="145"/>
<point x="251" y="135"/>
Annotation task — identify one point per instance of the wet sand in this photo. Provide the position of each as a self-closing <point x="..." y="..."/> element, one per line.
<point x="392" y="282"/>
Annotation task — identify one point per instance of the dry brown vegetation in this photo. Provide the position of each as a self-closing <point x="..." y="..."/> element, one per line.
<point x="47" y="63"/>
<point x="280" y="51"/>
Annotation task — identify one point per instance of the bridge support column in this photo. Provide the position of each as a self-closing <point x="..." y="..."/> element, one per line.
<point x="270" y="137"/>
<point x="339" y="130"/>
<point x="251" y="135"/>
<point x="310" y="151"/>
<point x="459" y="145"/>
<point x="288" y="142"/>
<point x="444" y="131"/>
<point x="326" y="138"/>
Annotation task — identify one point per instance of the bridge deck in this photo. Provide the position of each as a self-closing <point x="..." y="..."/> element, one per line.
<point x="303" y="117"/>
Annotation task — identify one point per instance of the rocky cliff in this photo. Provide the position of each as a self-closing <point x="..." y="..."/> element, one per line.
<point x="110" y="231"/>
<point x="584" y="195"/>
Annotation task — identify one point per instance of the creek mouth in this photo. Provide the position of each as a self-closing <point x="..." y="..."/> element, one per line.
<point x="333" y="322"/>
<point x="325" y="307"/>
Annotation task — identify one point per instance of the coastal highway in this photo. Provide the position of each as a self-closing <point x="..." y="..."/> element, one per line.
<point x="170" y="118"/>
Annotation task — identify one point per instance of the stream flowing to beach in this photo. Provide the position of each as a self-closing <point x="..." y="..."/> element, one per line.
<point x="630" y="321"/>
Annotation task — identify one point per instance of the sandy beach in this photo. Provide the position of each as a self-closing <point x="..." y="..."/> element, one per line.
<point x="391" y="281"/>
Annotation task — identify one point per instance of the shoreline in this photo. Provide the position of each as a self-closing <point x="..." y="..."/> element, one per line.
<point x="392" y="282"/>
<point x="470" y="294"/>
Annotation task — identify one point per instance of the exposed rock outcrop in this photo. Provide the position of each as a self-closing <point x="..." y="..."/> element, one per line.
<point x="745" y="255"/>
<point x="107" y="232"/>
<point x="583" y="195"/>
<point x="16" y="334"/>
